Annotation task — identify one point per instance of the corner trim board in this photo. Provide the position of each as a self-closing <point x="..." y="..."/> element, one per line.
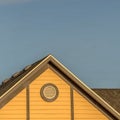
<point x="72" y="103"/>
<point x="27" y="103"/>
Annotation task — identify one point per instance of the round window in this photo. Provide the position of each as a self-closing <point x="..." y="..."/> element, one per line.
<point x="49" y="92"/>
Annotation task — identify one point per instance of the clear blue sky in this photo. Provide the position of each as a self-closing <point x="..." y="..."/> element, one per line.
<point x="84" y="35"/>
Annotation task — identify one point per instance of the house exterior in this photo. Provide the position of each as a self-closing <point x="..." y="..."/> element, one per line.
<point x="46" y="90"/>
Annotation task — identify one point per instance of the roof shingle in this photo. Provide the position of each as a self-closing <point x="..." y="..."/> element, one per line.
<point x="111" y="96"/>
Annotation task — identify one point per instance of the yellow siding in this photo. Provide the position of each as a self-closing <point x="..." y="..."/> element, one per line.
<point x="15" y="109"/>
<point x="56" y="110"/>
<point x="84" y="110"/>
<point x="60" y="109"/>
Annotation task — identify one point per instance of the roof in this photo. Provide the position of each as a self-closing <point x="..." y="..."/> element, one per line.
<point x="9" y="82"/>
<point x="111" y="96"/>
<point x="20" y="80"/>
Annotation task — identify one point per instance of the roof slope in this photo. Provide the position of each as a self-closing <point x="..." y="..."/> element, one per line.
<point x="21" y="79"/>
<point x="111" y="96"/>
<point x="7" y="83"/>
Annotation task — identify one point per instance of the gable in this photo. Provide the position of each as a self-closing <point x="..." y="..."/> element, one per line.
<point x="68" y="104"/>
<point x="28" y="80"/>
<point x="58" y="108"/>
<point x="65" y="106"/>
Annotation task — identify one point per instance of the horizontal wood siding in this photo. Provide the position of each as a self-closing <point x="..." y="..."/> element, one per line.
<point x="84" y="110"/>
<point x="56" y="110"/>
<point x="15" y="109"/>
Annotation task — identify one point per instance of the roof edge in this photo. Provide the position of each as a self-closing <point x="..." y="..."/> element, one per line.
<point x="47" y="58"/>
<point x="86" y="88"/>
<point x="51" y="58"/>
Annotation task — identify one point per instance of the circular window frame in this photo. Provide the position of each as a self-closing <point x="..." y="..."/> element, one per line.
<point x="44" y="97"/>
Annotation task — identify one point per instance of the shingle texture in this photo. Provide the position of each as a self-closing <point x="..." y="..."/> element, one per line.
<point x="7" y="83"/>
<point x="111" y="96"/>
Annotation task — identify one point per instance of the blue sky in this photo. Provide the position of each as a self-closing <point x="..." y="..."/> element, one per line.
<point x="84" y="35"/>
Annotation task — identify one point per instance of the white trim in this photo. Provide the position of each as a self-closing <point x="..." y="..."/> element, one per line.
<point x="91" y="92"/>
<point x="24" y="77"/>
<point x="82" y="85"/>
